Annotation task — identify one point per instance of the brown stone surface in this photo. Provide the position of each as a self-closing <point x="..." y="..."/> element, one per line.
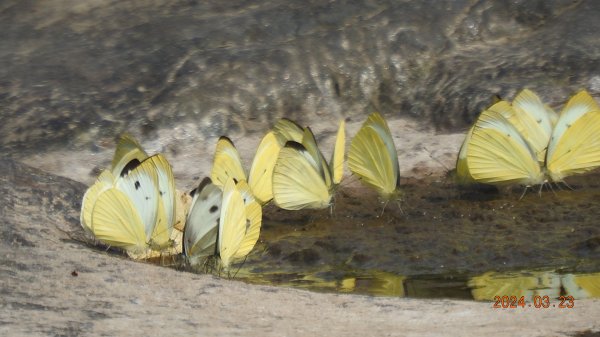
<point x="51" y="284"/>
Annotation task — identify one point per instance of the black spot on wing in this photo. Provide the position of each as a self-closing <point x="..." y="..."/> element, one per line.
<point x="205" y="182"/>
<point x="137" y="185"/>
<point x="225" y="138"/>
<point x="295" y="145"/>
<point x="214" y="208"/>
<point x="129" y="167"/>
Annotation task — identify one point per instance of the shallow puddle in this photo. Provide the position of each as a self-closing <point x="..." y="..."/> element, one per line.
<point x="439" y="242"/>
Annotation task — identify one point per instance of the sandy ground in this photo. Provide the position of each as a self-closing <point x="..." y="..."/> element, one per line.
<point x="52" y="284"/>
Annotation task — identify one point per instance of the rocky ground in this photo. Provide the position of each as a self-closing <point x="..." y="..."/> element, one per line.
<point x="75" y="74"/>
<point x="54" y="284"/>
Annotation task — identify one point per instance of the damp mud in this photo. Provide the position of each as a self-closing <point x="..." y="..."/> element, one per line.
<point x="439" y="241"/>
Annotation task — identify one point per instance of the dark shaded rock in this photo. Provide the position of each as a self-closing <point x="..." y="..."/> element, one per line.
<point x="73" y="72"/>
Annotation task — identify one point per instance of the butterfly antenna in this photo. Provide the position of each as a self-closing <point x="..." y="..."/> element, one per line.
<point x="347" y="180"/>
<point x="437" y="160"/>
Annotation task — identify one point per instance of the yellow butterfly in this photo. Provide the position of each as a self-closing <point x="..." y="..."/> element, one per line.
<point x="533" y="120"/>
<point x="211" y="215"/>
<point x="202" y="225"/>
<point x="232" y="224"/>
<point x="260" y="178"/>
<point x="302" y="178"/>
<point x="373" y="156"/>
<point x="504" y="145"/>
<point x="131" y="214"/>
<point x="287" y="130"/>
<point x="253" y="212"/>
<point x="227" y="163"/>
<point x="133" y="205"/>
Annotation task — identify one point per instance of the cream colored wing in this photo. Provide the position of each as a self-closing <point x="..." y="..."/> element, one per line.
<point x="116" y="222"/>
<point x="462" y="169"/>
<point x="310" y="144"/>
<point x="577" y="149"/>
<point x="103" y="182"/>
<point x="534" y="122"/>
<point x="497" y="154"/>
<point x="166" y="189"/>
<point x="577" y="106"/>
<point x="253" y="221"/>
<point x="261" y="172"/>
<point x="286" y="130"/>
<point x="336" y="164"/>
<point x="297" y="181"/>
<point x="232" y="223"/>
<point x="378" y="123"/>
<point x="373" y="158"/>
<point x="202" y="225"/>
<point x="227" y="163"/>
<point x="575" y="143"/>
<point x="128" y="155"/>
<point x="141" y="187"/>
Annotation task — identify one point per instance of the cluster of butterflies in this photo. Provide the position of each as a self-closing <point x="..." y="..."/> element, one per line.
<point x="134" y="205"/>
<point x="527" y="143"/>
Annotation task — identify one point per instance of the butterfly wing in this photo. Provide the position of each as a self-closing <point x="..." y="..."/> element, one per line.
<point x="166" y="190"/>
<point x="116" y="221"/>
<point x="141" y="187"/>
<point x="128" y="155"/>
<point x="336" y="164"/>
<point x="297" y="181"/>
<point x="577" y="106"/>
<point x="373" y="157"/>
<point x="286" y="130"/>
<point x="378" y="123"/>
<point x="575" y="143"/>
<point x="227" y="163"/>
<point x="577" y="149"/>
<point x="534" y="120"/>
<point x="261" y="172"/>
<point x="232" y="223"/>
<point x="497" y="154"/>
<point x="462" y="169"/>
<point x="253" y="221"/>
<point x="310" y="144"/>
<point x="103" y="182"/>
<point x="202" y="225"/>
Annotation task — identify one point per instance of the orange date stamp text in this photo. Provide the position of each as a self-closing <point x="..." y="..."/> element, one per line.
<point x="539" y="302"/>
